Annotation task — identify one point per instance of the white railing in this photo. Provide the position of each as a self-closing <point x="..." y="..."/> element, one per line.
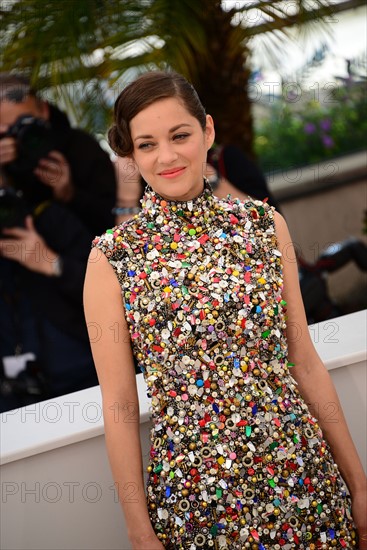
<point x="57" y="490"/>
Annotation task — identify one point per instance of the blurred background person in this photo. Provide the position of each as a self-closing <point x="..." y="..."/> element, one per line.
<point x="42" y="155"/>
<point x="234" y="167"/>
<point x="57" y="190"/>
<point x="130" y="188"/>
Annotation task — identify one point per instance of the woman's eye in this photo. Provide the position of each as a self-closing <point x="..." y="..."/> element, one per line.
<point x="181" y="136"/>
<point x="145" y="145"/>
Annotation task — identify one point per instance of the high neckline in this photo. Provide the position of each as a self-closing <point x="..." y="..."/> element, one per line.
<point x="199" y="209"/>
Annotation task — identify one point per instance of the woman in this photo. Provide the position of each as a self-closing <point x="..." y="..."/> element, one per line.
<point x="237" y="460"/>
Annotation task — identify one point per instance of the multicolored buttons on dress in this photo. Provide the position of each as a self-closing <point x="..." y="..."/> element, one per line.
<point x="237" y="461"/>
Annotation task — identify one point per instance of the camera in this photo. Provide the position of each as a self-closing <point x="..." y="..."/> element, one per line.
<point x="35" y="139"/>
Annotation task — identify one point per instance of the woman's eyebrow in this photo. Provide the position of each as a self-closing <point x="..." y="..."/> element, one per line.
<point x="149" y="136"/>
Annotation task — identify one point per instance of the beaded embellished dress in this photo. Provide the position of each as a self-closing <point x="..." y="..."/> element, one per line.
<point x="236" y="461"/>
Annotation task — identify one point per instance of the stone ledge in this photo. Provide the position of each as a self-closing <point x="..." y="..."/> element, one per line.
<point x="293" y="183"/>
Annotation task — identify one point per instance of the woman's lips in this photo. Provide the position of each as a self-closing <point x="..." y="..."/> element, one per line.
<point x="174" y="172"/>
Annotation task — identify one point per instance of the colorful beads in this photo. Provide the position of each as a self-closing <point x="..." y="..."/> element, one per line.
<point x="236" y="461"/>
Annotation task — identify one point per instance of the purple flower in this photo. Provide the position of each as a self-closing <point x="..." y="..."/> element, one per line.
<point x="325" y="124"/>
<point x="309" y="128"/>
<point x="327" y="141"/>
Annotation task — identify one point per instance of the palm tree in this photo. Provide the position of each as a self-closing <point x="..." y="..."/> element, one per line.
<point x="86" y="49"/>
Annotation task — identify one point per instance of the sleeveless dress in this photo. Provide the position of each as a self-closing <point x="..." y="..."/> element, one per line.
<point x="237" y="461"/>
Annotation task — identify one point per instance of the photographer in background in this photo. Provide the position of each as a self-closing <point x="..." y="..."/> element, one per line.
<point x="57" y="189"/>
<point x="39" y="150"/>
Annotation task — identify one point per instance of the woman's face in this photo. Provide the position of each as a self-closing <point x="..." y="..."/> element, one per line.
<point x="170" y="148"/>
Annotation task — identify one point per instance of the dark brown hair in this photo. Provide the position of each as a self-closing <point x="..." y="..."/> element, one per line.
<point x="142" y="92"/>
<point x="15" y="88"/>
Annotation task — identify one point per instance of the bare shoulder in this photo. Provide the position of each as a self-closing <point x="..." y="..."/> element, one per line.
<point x="281" y="224"/>
<point x="100" y="274"/>
<point x="284" y="239"/>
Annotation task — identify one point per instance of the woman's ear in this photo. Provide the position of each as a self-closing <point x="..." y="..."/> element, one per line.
<point x="209" y="131"/>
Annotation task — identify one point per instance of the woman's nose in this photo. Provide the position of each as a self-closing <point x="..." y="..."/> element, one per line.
<point x="167" y="153"/>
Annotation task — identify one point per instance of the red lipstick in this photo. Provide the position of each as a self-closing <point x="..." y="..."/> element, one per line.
<point x="172" y="172"/>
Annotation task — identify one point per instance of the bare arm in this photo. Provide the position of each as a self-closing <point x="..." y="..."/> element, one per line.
<point x="315" y="383"/>
<point x="115" y="368"/>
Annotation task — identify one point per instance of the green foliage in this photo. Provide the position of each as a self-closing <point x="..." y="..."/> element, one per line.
<point x="293" y="137"/>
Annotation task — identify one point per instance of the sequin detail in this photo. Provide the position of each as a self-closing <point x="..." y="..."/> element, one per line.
<point x="237" y="461"/>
